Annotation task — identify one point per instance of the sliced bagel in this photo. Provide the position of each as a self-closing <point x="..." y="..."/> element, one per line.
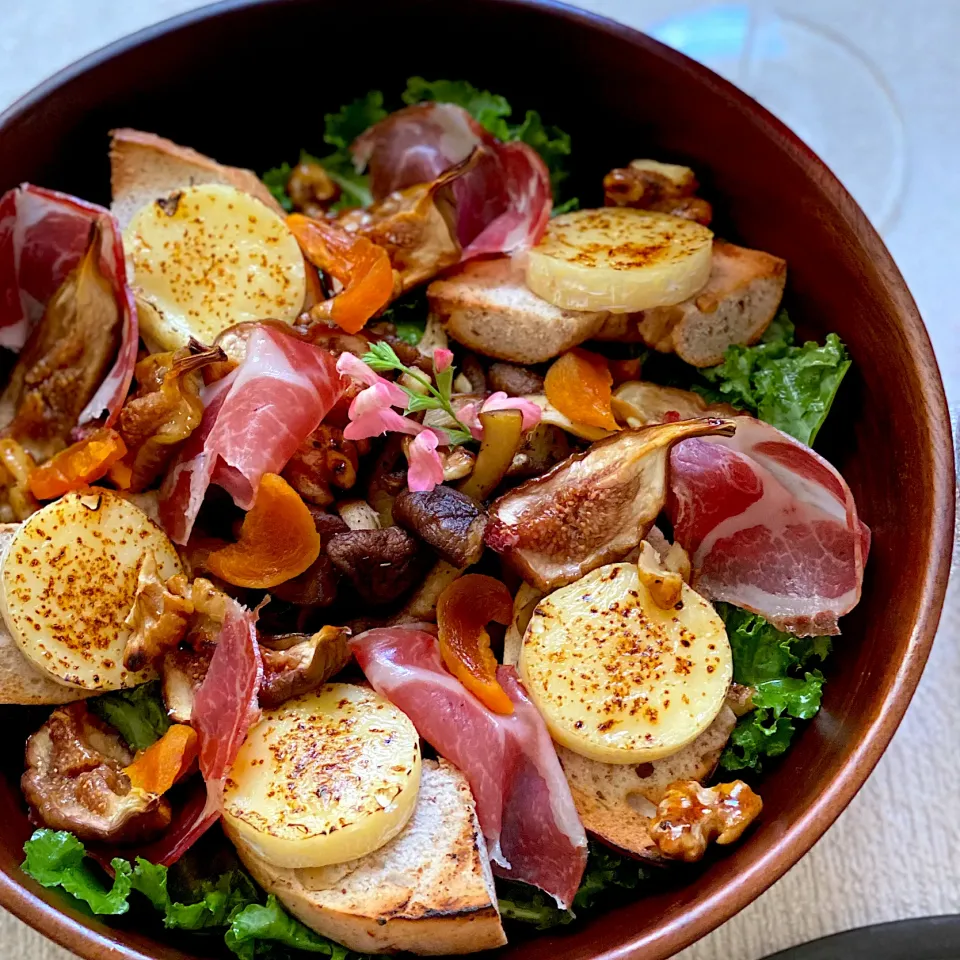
<point x="428" y="891"/>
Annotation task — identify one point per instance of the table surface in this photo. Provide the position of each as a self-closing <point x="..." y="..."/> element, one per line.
<point x="873" y="87"/>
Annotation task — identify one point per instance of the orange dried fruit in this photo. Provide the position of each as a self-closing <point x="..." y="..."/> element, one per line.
<point x="278" y="539"/>
<point x="360" y="265"/>
<point x="81" y="463"/>
<point x="156" y="769"/>
<point x="579" y="385"/>
<point x="463" y="611"/>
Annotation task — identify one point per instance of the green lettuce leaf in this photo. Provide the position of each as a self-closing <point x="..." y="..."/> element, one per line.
<point x="138" y="714"/>
<point x="275" y="180"/>
<point x="773" y="663"/>
<point x="340" y="129"/>
<point x="490" y="110"/>
<point x="257" y="924"/>
<point x="791" y="387"/>
<point x="55" y="858"/>
<point x="230" y="901"/>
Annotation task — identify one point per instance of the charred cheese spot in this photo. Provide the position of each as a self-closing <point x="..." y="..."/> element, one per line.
<point x="328" y="777"/>
<point x="617" y="678"/>
<point x="619" y="259"/>
<point x="68" y="582"/>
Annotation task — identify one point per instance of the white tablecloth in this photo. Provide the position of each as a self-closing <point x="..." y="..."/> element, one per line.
<point x="895" y="852"/>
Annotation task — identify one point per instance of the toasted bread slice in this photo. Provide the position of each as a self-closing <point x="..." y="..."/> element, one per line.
<point x="144" y="166"/>
<point x="615" y="801"/>
<point x="737" y="304"/>
<point x="20" y="682"/>
<point x="487" y="306"/>
<point x="428" y="891"/>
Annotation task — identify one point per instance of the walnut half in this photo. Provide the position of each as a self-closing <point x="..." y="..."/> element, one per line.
<point x="690" y="815"/>
<point x="75" y="781"/>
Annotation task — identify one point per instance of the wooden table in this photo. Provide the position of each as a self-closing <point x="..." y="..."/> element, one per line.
<point x="895" y="852"/>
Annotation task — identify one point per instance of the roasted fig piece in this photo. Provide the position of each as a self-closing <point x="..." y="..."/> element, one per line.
<point x="182" y="672"/>
<point x="381" y="564"/>
<point x="75" y="781"/>
<point x="295" y="664"/>
<point x="594" y="507"/>
<point x="447" y="520"/>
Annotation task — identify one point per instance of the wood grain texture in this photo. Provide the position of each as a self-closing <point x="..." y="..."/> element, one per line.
<point x="893" y="853"/>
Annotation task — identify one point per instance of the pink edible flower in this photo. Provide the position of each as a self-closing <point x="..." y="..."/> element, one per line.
<point x="349" y="365"/>
<point x="442" y="358"/>
<point x="530" y="411"/>
<point x="378" y="422"/>
<point x="425" y="470"/>
<point x="469" y="415"/>
<point x="379" y="396"/>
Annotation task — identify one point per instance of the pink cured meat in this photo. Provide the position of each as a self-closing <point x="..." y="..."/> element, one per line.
<point x="770" y="526"/>
<point x="43" y="235"/>
<point x="523" y="802"/>
<point x="224" y="710"/>
<point x="254" y="419"/>
<point x="503" y="201"/>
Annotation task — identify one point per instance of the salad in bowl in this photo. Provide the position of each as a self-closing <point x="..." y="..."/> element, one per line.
<point x="406" y="552"/>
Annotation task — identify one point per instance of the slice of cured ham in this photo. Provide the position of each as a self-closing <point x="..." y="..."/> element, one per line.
<point x="503" y="200"/>
<point x="224" y="711"/>
<point x="770" y="526"/>
<point x="253" y="421"/>
<point x="43" y="235"/>
<point x="523" y="802"/>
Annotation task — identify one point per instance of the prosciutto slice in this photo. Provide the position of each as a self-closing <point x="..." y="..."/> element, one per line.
<point x="253" y="421"/>
<point x="43" y="235"/>
<point x="523" y="802"/>
<point x="503" y="200"/>
<point x="224" y="711"/>
<point x="770" y="526"/>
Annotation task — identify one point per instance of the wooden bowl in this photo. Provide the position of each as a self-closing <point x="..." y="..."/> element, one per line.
<point x="248" y="83"/>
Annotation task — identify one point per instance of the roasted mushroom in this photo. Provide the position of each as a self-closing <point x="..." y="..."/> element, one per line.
<point x="447" y="520"/>
<point x="165" y="409"/>
<point x="382" y="565"/>
<point x="690" y="815"/>
<point x="294" y="664"/>
<point x="593" y="508"/>
<point x="514" y="380"/>
<point x="75" y="781"/>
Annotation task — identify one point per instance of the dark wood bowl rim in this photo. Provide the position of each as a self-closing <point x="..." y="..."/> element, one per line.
<point x="660" y="940"/>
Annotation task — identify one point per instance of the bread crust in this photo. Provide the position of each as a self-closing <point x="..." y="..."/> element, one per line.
<point x="144" y="166"/>
<point x="487" y="306"/>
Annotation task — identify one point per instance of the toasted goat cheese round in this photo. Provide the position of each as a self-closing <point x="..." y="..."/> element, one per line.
<point x="208" y="257"/>
<point x="69" y="579"/>
<point x="328" y="777"/>
<point x="619" y="259"/>
<point x="618" y="679"/>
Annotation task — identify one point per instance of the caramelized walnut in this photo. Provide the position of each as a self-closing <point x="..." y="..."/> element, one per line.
<point x="689" y="816"/>
<point x="663" y="187"/>
<point x="324" y="460"/>
<point x="75" y="781"/>
<point x="311" y="189"/>
<point x="158" y="618"/>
